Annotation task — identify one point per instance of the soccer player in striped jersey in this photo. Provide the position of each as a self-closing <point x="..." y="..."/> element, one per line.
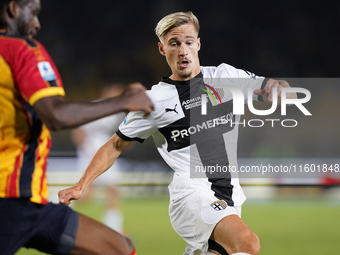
<point x="31" y="104"/>
<point x="205" y="210"/>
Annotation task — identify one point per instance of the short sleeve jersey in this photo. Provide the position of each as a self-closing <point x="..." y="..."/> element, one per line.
<point x="189" y="140"/>
<point x="27" y="75"/>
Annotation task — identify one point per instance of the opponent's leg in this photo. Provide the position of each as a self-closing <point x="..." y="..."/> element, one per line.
<point x="235" y="236"/>
<point x="95" y="238"/>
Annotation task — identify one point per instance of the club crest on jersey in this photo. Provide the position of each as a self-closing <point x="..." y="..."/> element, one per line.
<point x="46" y="71"/>
<point x="219" y="205"/>
<point x="220" y="92"/>
<point x="214" y="94"/>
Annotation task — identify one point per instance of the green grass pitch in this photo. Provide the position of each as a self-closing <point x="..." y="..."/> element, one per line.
<point x="295" y="227"/>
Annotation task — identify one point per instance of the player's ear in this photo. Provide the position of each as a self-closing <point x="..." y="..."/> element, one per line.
<point x="13" y="10"/>
<point x="199" y="43"/>
<point x="161" y="49"/>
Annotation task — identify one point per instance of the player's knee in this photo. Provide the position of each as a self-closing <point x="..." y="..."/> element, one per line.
<point x="250" y="244"/>
<point x="255" y="245"/>
<point x="130" y="244"/>
<point x="126" y="246"/>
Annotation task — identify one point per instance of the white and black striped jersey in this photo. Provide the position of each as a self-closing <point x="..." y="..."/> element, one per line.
<point x="189" y="141"/>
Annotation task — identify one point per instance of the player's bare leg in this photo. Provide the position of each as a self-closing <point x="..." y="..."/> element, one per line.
<point x="235" y="236"/>
<point x="95" y="238"/>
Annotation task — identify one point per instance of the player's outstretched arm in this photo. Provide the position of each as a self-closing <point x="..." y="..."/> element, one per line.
<point x="267" y="91"/>
<point x="102" y="160"/>
<point x="58" y="114"/>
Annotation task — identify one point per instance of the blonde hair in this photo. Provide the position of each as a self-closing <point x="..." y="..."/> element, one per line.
<point x="175" y="20"/>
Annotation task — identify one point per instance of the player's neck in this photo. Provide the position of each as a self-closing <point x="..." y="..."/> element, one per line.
<point x="177" y="77"/>
<point x="11" y="30"/>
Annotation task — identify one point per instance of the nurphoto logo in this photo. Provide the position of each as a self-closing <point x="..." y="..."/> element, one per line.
<point x="238" y="104"/>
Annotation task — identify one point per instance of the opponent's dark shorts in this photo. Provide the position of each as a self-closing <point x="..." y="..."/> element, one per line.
<point x="50" y="228"/>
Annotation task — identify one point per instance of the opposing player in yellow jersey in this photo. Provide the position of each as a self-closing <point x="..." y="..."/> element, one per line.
<point x="31" y="103"/>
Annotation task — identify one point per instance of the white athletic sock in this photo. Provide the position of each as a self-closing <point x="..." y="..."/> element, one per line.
<point x="113" y="218"/>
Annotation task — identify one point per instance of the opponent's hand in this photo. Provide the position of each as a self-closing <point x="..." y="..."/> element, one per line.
<point x="267" y="91"/>
<point x="134" y="98"/>
<point x="67" y="195"/>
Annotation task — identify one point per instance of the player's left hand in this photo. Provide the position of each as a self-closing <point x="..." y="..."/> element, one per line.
<point x="67" y="195"/>
<point x="267" y="91"/>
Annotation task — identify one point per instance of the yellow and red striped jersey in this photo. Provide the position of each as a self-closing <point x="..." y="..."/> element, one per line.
<point x="27" y="74"/>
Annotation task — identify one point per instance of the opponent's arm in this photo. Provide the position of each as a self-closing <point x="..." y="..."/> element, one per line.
<point x="102" y="160"/>
<point x="267" y="91"/>
<point x="58" y="114"/>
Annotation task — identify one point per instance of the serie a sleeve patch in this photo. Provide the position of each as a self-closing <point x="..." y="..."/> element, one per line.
<point x="46" y="71"/>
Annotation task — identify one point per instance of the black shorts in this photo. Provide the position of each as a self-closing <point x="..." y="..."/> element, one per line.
<point x="50" y="228"/>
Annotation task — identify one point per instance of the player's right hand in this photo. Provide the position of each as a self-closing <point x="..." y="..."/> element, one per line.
<point x="67" y="195"/>
<point x="134" y="98"/>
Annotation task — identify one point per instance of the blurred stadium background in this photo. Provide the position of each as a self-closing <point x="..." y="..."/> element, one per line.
<point x="98" y="43"/>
